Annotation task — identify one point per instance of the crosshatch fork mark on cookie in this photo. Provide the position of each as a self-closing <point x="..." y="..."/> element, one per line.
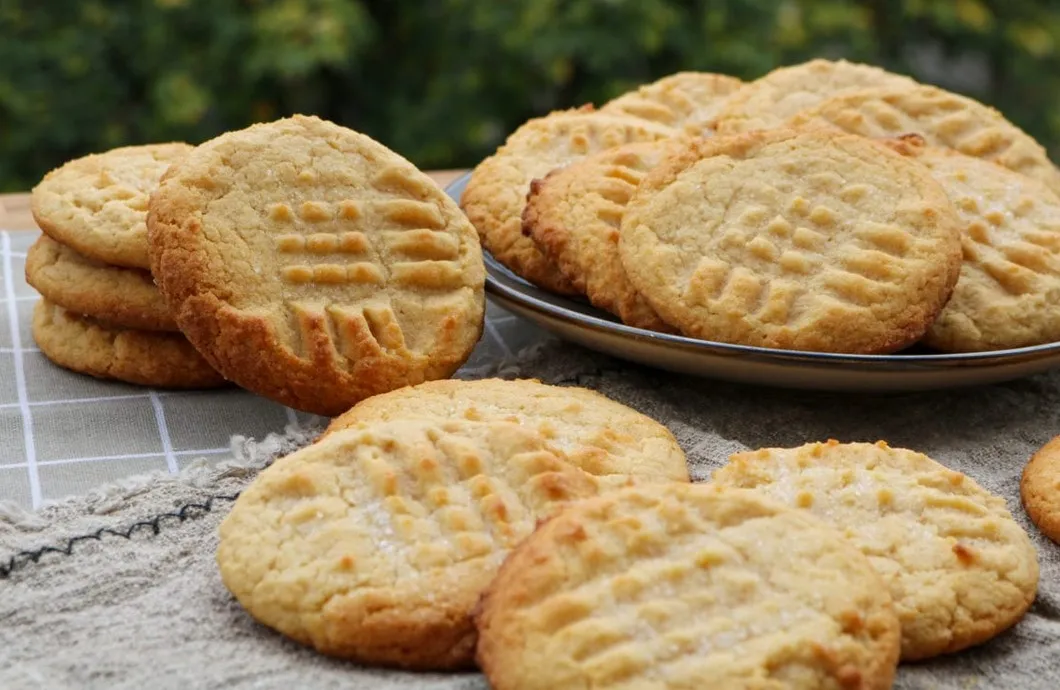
<point x="334" y="253"/>
<point x="438" y="509"/>
<point x="343" y="261"/>
<point x="764" y="259"/>
<point x="659" y="595"/>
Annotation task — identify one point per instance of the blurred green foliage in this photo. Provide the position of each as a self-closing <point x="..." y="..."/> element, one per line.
<point x="443" y="81"/>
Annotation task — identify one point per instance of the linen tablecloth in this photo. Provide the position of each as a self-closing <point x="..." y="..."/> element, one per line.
<point x="119" y="589"/>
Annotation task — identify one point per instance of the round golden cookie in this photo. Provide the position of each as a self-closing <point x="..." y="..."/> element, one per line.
<point x="771" y="99"/>
<point x="375" y="544"/>
<point x="793" y="239"/>
<point x="116" y="296"/>
<point x="959" y="569"/>
<point x="686" y="586"/>
<point x="97" y="204"/>
<point x="496" y="192"/>
<point x="1040" y="489"/>
<point x="1009" y="288"/>
<point x="597" y="434"/>
<point x="146" y="358"/>
<point x="685" y="100"/>
<point x="314" y="266"/>
<point x="942" y="118"/>
<point x="574" y="214"/>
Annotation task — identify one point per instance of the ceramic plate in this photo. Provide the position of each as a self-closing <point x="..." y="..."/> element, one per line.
<point x="579" y="322"/>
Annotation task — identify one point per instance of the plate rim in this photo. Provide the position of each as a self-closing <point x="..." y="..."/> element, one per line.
<point x="517" y="293"/>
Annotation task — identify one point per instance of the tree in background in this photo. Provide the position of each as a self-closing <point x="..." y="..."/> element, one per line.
<point x="443" y="81"/>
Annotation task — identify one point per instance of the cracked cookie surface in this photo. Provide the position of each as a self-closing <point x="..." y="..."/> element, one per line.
<point x="314" y="266"/>
<point x="663" y="586"/>
<point x="375" y="544"/>
<point x="959" y="568"/>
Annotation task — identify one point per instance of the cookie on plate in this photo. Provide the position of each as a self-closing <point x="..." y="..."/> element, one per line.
<point x="597" y="434"/>
<point x="685" y="100"/>
<point x="125" y="297"/>
<point x="1040" y="489"/>
<point x="97" y="204"/>
<point x="1009" y="287"/>
<point x="793" y="239"/>
<point x="771" y="99"/>
<point x="959" y="568"/>
<point x="686" y="586"/>
<point x="314" y="266"/>
<point x="942" y="118"/>
<point x="496" y="192"/>
<point x="375" y="544"/>
<point x="146" y="358"/>
<point x="574" y="214"/>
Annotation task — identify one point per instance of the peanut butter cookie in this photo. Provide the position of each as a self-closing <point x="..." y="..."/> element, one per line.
<point x="1009" y="288"/>
<point x="146" y="358"/>
<point x="124" y="297"/>
<point x="771" y="99"/>
<point x="375" y="544"/>
<point x="959" y="568"/>
<point x="314" y="266"/>
<point x="1040" y="489"/>
<point x="805" y="240"/>
<point x="574" y="214"/>
<point x="97" y="204"/>
<point x="685" y="100"/>
<point x="597" y="434"/>
<point x="496" y="193"/>
<point x="942" y="118"/>
<point x="686" y="586"/>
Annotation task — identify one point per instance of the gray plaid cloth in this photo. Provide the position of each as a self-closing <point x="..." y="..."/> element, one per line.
<point x="63" y="433"/>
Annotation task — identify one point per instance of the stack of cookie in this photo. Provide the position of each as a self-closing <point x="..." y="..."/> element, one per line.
<point x="552" y="537"/>
<point x="827" y="206"/>
<point x="298" y="259"/>
<point x="312" y="265"/>
<point x="100" y="312"/>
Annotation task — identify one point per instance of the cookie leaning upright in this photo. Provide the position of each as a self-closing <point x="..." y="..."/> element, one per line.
<point x="496" y="192"/>
<point x="794" y="239"/>
<point x="97" y="204"/>
<point x="686" y="586"/>
<point x="959" y="568"/>
<point x="314" y="266"/>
